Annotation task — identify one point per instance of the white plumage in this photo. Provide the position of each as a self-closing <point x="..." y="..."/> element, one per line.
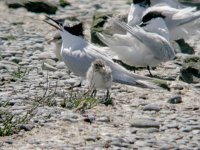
<point x="78" y="54"/>
<point x="139" y="48"/>
<point x="99" y="76"/>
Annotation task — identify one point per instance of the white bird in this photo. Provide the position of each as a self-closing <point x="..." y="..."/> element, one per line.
<point x="139" y="48"/>
<point x="179" y="19"/>
<point x="99" y="76"/>
<point x="180" y="22"/>
<point x="138" y="7"/>
<point x="57" y="39"/>
<point x="136" y="10"/>
<point x="78" y="54"/>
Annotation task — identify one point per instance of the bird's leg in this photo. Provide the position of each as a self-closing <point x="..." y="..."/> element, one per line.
<point x="148" y="68"/>
<point x="75" y="85"/>
<point x="134" y="69"/>
<point x="94" y="92"/>
<point x="107" y="94"/>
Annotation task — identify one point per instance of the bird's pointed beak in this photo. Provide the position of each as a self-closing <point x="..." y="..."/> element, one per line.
<point x="57" y="25"/>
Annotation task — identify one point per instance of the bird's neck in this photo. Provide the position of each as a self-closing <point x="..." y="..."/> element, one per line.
<point x="71" y="41"/>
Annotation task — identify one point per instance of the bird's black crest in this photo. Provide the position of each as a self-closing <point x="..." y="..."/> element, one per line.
<point x="152" y="15"/>
<point x="142" y="2"/>
<point x="98" y="64"/>
<point x="76" y="29"/>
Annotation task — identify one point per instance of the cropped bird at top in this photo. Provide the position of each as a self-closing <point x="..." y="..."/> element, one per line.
<point x="136" y="10"/>
<point x="139" y="6"/>
<point x="179" y="19"/>
<point x="180" y="22"/>
<point x="78" y="54"/>
<point x="138" y="47"/>
<point x="99" y="76"/>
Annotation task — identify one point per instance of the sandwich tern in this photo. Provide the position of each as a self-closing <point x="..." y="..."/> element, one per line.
<point x="139" y="6"/>
<point x="57" y="39"/>
<point x="138" y="47"/>
<point x="178" y="21"/>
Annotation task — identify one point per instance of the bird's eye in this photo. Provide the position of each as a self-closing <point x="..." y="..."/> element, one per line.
<point x="98" y="65"/>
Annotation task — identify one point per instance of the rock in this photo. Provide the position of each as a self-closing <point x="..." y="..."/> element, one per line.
<point x="16" y="60"/>
<point x="71" y="81"/>
<point x="61" y="65"/>
<point x="46" y="66"/>
<point x="89" y="118"/>
<point x="190" y="72"/>
<point x="64" y="3"/>
<point x="120" y="142"/>
<point x="8" y="142"/>
<point x="175" y="100"/>
<point x="163" y="84"/>
<point x="45" y="55"/>
<point x="153" y="130"/>
<point x="186" y="129"/>
<point x="1" y="43"/>
<point x="99" y="19"/>
<point x="168" y="146"/>
<point x="70" y="116"/>
<point x="140" y="143"/>
<point x="172" y="125"/>
<point x="185" y="47"/>
<point x="37" y="6"/>
<point x="124" y="145"/>
<point x="151" y="107"/>
<point x="26" y="127"/>
<point x="103" y="119"/>
<point x="145" y="123"/>
<point x="91" y="138"/>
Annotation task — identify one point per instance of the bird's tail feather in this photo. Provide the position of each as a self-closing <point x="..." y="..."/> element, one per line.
<point x="154" y="84"/>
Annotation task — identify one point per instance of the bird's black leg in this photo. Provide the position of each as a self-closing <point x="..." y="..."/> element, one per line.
<point x="94" y="92"/>
<point x="148" y="68"/>
<point x="107" y="94"/>
<point x="75" y="85"/>
<point x="134" y="69"/>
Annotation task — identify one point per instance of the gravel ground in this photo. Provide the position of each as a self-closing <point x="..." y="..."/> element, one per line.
<point x="138" y="119"/>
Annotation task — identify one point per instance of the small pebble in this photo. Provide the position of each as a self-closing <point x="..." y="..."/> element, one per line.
<point x="152" y="107"/>
<point x="103" y="119"/>
<point x="175" y="100"/>
<point x="145" y="123"/>
<point x="26" y="127"/>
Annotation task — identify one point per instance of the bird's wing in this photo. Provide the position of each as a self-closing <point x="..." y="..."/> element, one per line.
<point x="115" y="40"/>
<point x="136" y="31"/>
<point x="135" y="14"/>
<point x="186" y="15"/>
<point x="157" y="44"/>
<point x="172" y="3"/>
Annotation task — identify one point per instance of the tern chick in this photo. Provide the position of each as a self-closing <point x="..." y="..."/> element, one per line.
<point x="99" y="76"/>
<point x="57" y="40"/>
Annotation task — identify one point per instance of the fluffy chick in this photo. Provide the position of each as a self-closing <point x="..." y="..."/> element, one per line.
<point x="99" y="76"/>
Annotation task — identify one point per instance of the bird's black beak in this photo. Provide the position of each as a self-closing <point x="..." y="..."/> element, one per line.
<point x="57" y="25"/>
